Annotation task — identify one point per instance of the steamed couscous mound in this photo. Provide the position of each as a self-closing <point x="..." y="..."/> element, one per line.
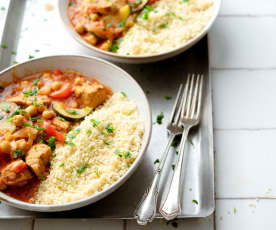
<point x="98" y="152"/>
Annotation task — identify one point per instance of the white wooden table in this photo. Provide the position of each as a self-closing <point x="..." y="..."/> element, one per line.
<point x="243" y="61"/>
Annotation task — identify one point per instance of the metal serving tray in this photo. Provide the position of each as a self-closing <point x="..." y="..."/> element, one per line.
<point x="31" y="30"/>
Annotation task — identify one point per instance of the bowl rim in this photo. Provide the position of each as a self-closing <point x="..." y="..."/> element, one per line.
<point x="77" y="37"/>
<point x="97" y="196"/>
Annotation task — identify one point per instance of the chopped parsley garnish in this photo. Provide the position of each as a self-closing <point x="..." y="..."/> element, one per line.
<point x="38" y="128"/>
<point x="30" y="92"/>
<point x="31" y="56"/>
<point x="69" y="143"/>
<point x="115" y="45"/>
<point x="35" y="82"/>
<point x="33" y="118"/>
<point x="195" y="201"/>
<point x="159" y="118"/>
<point x="52" y="142"/>
<point x="4" y="46"/>
<point x="108" y="142"/>
<point x="176" y="141"/>
<point x="173" y="167"/>
<point x="121" y="24"/>
<point x="71" y="111"/>
<point x="163" y="26"/>
<point x="1" y="117"/>
<point x="167" y="97"/>
<point x="95" y="123"/>
<point x="127" y="155"/>
<point x="185" y="0"/>
<point x="81" y="169"/>
<point x="6" y="108"/>
<point x="147" y="9"/>
<point x="25" y="124"/>
<point x="123" y="93"/>
<point x="156" y="161"/>
<point x="61" y="165"/>
<point x="118" y="153"/>
<point x="77" y="130"/>
<point x="42" y="133"/>
<point x="89" y="131"/>
<point x="109" y="129"/>
<point x="17" y="153"/>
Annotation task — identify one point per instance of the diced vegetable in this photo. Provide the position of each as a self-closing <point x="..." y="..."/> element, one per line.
<point x="50" y="130"/>
<point x="124" y="12"/>
<point x="64" y="92"/>
<point x="70" y="114"/>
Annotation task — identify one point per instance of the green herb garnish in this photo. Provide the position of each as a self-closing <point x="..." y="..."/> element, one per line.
<point x="109" y="129"/>
<point x="195" y="201"/>
<point x="95" y="123"/>
<point x="159" y="118"/>
<point x="52" y="142"/>
<point x="81" y="169"/>
<point x="17" y="153"/>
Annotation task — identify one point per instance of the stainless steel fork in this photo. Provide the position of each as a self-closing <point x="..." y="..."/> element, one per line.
<point x="146" y="208"/>
<point x="190" y="116"/>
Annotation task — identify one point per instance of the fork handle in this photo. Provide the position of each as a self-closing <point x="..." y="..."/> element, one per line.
<point x="171" y="207"/>
<point x="146" y="208"/>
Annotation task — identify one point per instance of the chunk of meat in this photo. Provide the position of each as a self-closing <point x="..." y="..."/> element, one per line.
<point x="3" y="186"/>
<point x="25" y="101"/>
<point x="91" y="95"/>
<point x="61" y="125"/>
<point x="16" y="174"/>
<point x="38" y="158"/>
<point x="26" y="133"/>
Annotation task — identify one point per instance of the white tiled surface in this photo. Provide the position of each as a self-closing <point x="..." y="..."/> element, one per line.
<point x="243" y="61"/>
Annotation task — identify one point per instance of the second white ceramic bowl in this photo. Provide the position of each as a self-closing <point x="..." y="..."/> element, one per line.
<point x="109" y="75"/>
<point x="131" y="59"/>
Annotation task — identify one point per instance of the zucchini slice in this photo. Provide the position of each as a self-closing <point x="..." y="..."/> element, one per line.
<point x="70" y="113"/>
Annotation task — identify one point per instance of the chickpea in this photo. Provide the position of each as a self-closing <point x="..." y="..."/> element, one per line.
<point x="45" y="90"/>
<point x="56" y="85"/>
<point x="74" y="104"/>
<point x="91" y="39"/>
<point x="5" y="147"/>
<point x="79" y="27"/>
<point x="105" y="45"/>
<point x="46" y="75"/>
<point x="18" y="120"/>
<point x="40" y="84"/>
<point x="48" y="114"/>
<point x="40" y="108"/>
<point x="94" y="17"/>
<point x="31" y="110"/>
<point x="78" y="81"/>
<point x="22" y="145"/>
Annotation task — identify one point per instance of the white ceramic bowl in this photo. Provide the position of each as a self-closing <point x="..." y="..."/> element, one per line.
<point x="62" y="4"/>
<point x="109" y="75"/>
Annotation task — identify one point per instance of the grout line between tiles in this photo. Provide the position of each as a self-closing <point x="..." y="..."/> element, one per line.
<point x="244" y="129"/>
<point x="214" y="220"/>
<point x="33" y="224"/>
<point x="247" y="15"/>
<point x="124" y="224"/>
<point x="241" y="68"/>
<point x="246" y="198"/>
